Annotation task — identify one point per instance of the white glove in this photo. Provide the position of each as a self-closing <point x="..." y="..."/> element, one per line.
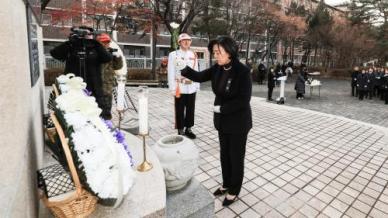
<point x="172" y="92"/>
<point x="217" y="109"/>
<point x="116" y="54"/>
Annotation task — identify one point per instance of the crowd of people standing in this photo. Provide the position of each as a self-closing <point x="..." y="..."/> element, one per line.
<point x="370" y="83"/>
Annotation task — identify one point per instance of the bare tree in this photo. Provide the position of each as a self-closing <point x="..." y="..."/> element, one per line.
<point x="182" y="12"/>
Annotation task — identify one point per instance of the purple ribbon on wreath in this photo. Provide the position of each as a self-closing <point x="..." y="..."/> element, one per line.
<point x="87" y="92"/>
<point x="120" y="138"/>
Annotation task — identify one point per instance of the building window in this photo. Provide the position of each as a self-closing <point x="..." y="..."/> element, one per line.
<point x="46" y="19"/>
<point x="134" y="51"/>
<point x="163" y="52"/>
<point x="200" y="55"/>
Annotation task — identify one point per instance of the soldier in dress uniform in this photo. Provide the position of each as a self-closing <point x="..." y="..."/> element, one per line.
<point x="379" y="73"/>
<point x="385" y="86"/>
<point x="362" y="85"/>
<point x="354" y="81"/>
<point x="183" y="89"/>
<point x="371" y="82"/>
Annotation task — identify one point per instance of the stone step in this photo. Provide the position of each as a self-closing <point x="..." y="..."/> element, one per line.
<point x="193" y="201"/>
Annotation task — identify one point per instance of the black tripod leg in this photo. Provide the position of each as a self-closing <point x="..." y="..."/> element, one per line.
<point x="130" y="100"/>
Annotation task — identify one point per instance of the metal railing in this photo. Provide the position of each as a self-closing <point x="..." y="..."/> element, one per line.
<point x="147" y="63"/>
<point x="53" y="63"/>
<point x="142" y="63"/>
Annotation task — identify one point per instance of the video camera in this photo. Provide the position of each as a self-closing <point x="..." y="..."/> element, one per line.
<point x="80" y="32"/>
<point x="111" y="50"/>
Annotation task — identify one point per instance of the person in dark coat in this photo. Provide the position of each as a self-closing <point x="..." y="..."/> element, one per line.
<point x="85" y="48"/>
<point x="379" y="73"/>
<point x="284" y="68"/>
<point x="384" y="88"/>
<point x="362" y="85"/>
<point x="231" y="83"/>
<point x="261" y="73"/>
<point x="300" y="86"/>
<point x="371" y="82"/>
<point x="271" y="83"/>
<point x="354" y="81"/>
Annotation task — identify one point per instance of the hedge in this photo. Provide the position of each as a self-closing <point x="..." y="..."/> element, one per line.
<point x="133" y="74"/>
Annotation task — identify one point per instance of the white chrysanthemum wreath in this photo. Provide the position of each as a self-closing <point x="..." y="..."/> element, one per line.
<point x="102" y="156"/>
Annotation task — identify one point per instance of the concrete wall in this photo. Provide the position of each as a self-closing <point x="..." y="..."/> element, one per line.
<point x="21" y="106"/>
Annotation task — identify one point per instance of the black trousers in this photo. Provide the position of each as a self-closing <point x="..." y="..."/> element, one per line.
<point x="232" y="148"/>
<point x="385" y="96"/>
<point x="184" y="111"/>
<point x="270" y="90"/>
<point x="354" y="89"/>
<point x="370" y="92"/>
<point x="362" y="93"/>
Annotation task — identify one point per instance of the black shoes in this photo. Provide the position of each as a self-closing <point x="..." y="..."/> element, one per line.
<point x="187" y="133"/>
<point x="190" y="134"/>
<point x="228" y="202"/>
<point x="219" y="192"/>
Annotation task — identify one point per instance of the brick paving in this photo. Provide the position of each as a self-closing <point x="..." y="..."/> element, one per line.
<point x="335" y="99"/>
<point x="299" y="163"/>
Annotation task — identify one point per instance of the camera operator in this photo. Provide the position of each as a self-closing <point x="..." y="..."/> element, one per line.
<point x="84" y="57"/>
<point x="108" y="75"/>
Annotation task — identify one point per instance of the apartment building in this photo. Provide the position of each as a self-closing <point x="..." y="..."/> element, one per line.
<point x="137" y="46"/>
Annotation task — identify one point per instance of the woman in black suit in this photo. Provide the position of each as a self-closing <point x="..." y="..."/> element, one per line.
<point x="232" y="86"/>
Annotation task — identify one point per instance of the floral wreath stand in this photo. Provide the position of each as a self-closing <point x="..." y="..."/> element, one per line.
<point x="80" y="204"/>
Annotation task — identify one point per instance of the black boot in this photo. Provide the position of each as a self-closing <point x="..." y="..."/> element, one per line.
<point x="190" y="133"/>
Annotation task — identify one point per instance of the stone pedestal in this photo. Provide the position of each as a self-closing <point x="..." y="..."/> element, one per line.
<point x="193" y="201"/>
<point x="147" y="198"/>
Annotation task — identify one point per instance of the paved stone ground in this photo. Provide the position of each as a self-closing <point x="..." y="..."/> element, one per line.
<point x="335" y="99"/>
<point x="299" y="163"/>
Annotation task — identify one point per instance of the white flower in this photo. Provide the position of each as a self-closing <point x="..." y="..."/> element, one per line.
<point x="174" y="25"/>
<point x="105" y="162"/>
<point x="76" y="83"/>
<point x="76" y="119"/>
<point x="74" y="101"/>
<point x="62" y="79"/>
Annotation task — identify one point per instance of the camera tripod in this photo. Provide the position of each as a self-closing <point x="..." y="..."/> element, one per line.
<point x="130" y="119"/>
<point x="127" y="100"/>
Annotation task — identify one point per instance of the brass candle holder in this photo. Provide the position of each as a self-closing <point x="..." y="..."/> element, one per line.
<point x="145" y="165"/>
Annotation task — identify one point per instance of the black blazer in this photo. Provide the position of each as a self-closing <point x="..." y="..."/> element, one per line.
<point x="236" y="115"/>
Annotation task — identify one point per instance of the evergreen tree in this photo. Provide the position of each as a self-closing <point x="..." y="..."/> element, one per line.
<point x="211" y="24"/>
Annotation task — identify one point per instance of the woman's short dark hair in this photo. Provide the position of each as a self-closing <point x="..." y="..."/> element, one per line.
<point x="229" y="45"/>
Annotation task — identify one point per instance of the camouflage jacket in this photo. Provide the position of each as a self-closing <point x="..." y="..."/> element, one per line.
<point x="162" y="73"/>
<point x="108" y="74"/>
